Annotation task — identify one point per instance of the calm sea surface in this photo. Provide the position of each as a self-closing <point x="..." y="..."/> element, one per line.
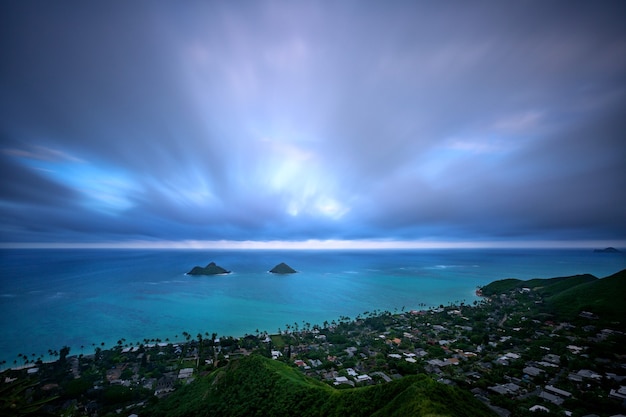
<point x="52" y="298"/>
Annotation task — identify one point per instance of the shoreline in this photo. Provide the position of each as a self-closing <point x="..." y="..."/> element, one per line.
<point x="90" y="298"/>
<point x="162" y="343"/>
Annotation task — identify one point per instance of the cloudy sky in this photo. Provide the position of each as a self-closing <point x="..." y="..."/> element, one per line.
<point x="296" y="120"/>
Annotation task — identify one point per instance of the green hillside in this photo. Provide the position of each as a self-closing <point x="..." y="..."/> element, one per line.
<point x="258" y="386"/>
<point x="604" y="297"/>
<point x="568" y="296"/>
<point x="501" y="286"/>
<point x="545" y="286"/>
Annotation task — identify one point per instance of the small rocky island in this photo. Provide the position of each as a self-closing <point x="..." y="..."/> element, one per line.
<point x="210" y="269"/>
<point x="608" y="250"/>
<point x="282" y="268"/>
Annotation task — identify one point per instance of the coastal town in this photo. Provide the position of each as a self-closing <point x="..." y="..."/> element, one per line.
<point x="505" y="349"/>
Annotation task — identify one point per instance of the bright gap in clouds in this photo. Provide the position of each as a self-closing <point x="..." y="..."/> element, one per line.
<point x="325" y="245"/>
<point x="104" y="189"/>
<point x="296" y="175"/>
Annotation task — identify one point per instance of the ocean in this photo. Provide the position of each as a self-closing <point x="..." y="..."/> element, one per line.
<point x="91" y="298"/>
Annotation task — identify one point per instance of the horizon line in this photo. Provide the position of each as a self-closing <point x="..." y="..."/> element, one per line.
<point x="317" y="244"/>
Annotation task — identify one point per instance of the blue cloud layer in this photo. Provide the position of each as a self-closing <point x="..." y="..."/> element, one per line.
<point x="295" y="121"/>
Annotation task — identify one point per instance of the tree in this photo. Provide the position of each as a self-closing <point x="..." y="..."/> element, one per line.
<point x="65" y="350"/>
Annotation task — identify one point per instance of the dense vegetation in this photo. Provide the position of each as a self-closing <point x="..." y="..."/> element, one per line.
<point x="258" y="386"/>
<point x="605" y="297"/>
<point x="567" y="297"/>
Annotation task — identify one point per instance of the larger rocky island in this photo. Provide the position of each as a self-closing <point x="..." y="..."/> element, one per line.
<point x="210" y="269"/>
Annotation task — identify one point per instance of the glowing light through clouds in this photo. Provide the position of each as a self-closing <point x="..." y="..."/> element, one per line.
<point x="349" y="124"/>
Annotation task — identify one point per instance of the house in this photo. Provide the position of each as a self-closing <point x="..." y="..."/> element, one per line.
<point x="551" y="398"/>
<point x="619" y="394"/>
<point x="185" y="373"/>
<point x="383" y="375"/>
<point x="315" y="363"/>
<point x="586" y="373"/>
<point x="438" y="362"/>
<point x="552" y="358"/>
<point x="532" y="371"/>
<point x="558" y="391"/>
<point x="343" y="380"/>
<point x="505" y="389"/>
<point x="575" y="349"/>
<point x="363" y="378"/>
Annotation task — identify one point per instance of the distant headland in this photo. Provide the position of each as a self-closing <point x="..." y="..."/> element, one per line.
<point x="282" y="268"/>
<point x="210" y="269"/>
<point x="608" y="250"/>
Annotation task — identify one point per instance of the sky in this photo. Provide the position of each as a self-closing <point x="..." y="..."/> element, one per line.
<point x="155" y="123"/>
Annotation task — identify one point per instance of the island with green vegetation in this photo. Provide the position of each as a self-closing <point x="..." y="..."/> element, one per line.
<point x="527" y="347"/>
<point x="210" y="269"/>
<point x="282" y="268"/>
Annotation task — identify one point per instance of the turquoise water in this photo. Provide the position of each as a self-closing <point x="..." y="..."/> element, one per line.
<point x="52" y="298"/>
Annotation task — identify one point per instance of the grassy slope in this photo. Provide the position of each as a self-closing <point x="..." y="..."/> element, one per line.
<point x="552" y="286"/>
<point x="605" y="297"/>
<point x="546" y="286"/>
<point x="257" y="386"/>
<point x="501" y="286"/>
<point x="568" y="296"/>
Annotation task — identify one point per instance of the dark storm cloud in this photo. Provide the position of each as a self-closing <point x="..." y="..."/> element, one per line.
<point x="275" y="120"/>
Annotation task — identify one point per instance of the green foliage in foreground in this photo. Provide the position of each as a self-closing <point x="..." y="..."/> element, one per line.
<point x="15" y="401"/>
<point x="257" y="386"/>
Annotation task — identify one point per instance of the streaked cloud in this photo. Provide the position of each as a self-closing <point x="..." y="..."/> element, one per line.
<point x="279" y="121"/>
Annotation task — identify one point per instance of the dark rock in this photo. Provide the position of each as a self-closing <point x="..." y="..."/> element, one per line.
<point x="210" y="269"/>
<point x="607" y="250"/>
<point x="282" y="268"/>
